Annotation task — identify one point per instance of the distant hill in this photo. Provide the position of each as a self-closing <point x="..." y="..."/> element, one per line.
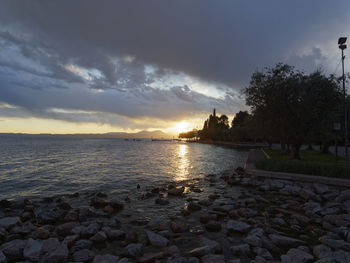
<point x="137" y="135"/>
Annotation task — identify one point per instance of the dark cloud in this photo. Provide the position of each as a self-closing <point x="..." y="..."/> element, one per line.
<point x="107" y="44"/>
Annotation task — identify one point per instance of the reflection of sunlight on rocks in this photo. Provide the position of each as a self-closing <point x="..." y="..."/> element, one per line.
<point x="183" y="163"/>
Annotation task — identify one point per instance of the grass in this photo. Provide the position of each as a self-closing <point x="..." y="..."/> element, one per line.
<point x="312" y="162"/>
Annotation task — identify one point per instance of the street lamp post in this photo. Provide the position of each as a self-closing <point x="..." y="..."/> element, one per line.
<point x="342" y="46"/>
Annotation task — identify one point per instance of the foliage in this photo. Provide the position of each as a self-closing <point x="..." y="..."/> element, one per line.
<point x="291" y="106"/>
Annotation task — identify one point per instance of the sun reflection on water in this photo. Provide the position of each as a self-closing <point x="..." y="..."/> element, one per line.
<point x="183" y="163"/>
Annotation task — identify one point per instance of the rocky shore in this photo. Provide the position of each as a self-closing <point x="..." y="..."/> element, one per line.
<point x="219" y="218"/>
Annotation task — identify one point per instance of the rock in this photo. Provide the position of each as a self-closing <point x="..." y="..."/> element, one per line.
<point x="322" y="251"/>
<point x="131" y="237"/>
<point x="213" y="226"/>
<point x="124" y="260"/>
<point x="40" y="233"/>
<point x="321" y="188"/>
<point x="208" y="247"/>
<point x="296" y="255"/>
<point x="151" y="257"/>
<point x="115" y="234"/>
<point x="171" y="250"/>
<point x="116" y="204"/>
<point x="49" y="217"/>
<point x="83" y="255"/>
<point x="178" y="226"/>
<point x="336" y="243"/>
<point x="8" y="222"/>
<point x="2" y="258"/>
<point x="344" y="195"/>
<point x="205" y="202"/>
<point x="337" y="220"/>
<point x="99" y="237"/>
<point x="98" y="202"/>
<point x="237" y="226"/>
<point x="341" y="256"/>
<point x="49" y="245"/>
<point x="213" y="259"/>
<point x="206" y="218"/>
<point x="66" y="228"/>
<point x="193" y="206"/>
<point x="253" y="240"/>
<point x="3" y="235"/>
<point x="59" y="255"/>
<point x="82" y="244"/>
<point x="134" y="250"/>
<point x="32" y="249"/>
<point x="308" y="194"/>
<point x="161" y="201"/>
<point x="177" y="259"/>
<point x="263" y="252"/>
<point x="240" y="249"/>
<point x="91" y="230"/>
<point x="69" y="240"/>
<point x="13" y="250"/>
<point x="284" y="241"/>
<point x="178" y="191"/>
<point x="157" y="240"/>
<point x="105" y="259"/>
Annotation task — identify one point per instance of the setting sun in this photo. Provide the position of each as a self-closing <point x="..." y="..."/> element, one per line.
<point x="181" y="127"/>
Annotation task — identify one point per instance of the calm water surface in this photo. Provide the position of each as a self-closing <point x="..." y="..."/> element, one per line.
<point x="42" y="166"/>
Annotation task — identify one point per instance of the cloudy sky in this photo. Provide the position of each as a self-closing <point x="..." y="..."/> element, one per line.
<point x="102" y="66"/>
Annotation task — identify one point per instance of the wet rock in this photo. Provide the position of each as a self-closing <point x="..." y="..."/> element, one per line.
<point x="161" y="201"/>
<point x="341" y="256"/>
<point x="59" y="255"/>
<point x="178" y="191"/>
<point x="240" y="249"/>
<point x="206" y="218"/>
<point x="296" y="255"/>
<point x="105" y="259"/>
<point x="213" y="259"/>
<point x="13" y="250"/>
<point x="83" y="255"/>
<point x="237" y="226"/>
<point x="337" y="220"/>
<point x="205" y="202"/>
<point x="116" y="204"/>
<point x="193" y="206"/>
<point x="49" y="245"/>
<point x="134" y="250"/>
<point x="177" y="259"/>
<point x="151" y="257"/>
<point x="98" y="202"/>
<point x="308" y="194"/>
<point x="213" y="226"/>
<point x="284" y="241"/>
<point x="344" y="195"/>
<point x="8" y="222"/>
<point x="157" y="240"/>
<point x="124" y="260"/>
<point x="253" y="240"/>
<point x="49" y="217"/>
<point x="157" y="224"/>
<point x="32" y="249"/>
<point x="178" y="226"/>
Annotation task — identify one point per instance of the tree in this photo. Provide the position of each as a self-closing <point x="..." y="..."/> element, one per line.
<point x="240" y="119"/>
<point x="292" y="105"/>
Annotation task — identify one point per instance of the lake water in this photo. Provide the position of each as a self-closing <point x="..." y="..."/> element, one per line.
<point x="41" y="166"/>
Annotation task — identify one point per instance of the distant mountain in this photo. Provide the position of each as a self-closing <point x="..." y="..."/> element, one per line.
<point x="141" y="135"/>
<point x="137" y="135"/>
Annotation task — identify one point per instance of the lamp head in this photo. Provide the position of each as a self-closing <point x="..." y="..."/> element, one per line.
<point x="341" y="41"/>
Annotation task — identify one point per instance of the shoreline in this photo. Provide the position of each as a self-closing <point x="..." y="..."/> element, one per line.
<point x="218" y="218"/>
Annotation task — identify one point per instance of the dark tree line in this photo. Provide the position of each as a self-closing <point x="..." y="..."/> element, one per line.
<point x="286" y="106"/>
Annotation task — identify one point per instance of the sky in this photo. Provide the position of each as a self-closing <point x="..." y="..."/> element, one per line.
<point x="105" y="66"/>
